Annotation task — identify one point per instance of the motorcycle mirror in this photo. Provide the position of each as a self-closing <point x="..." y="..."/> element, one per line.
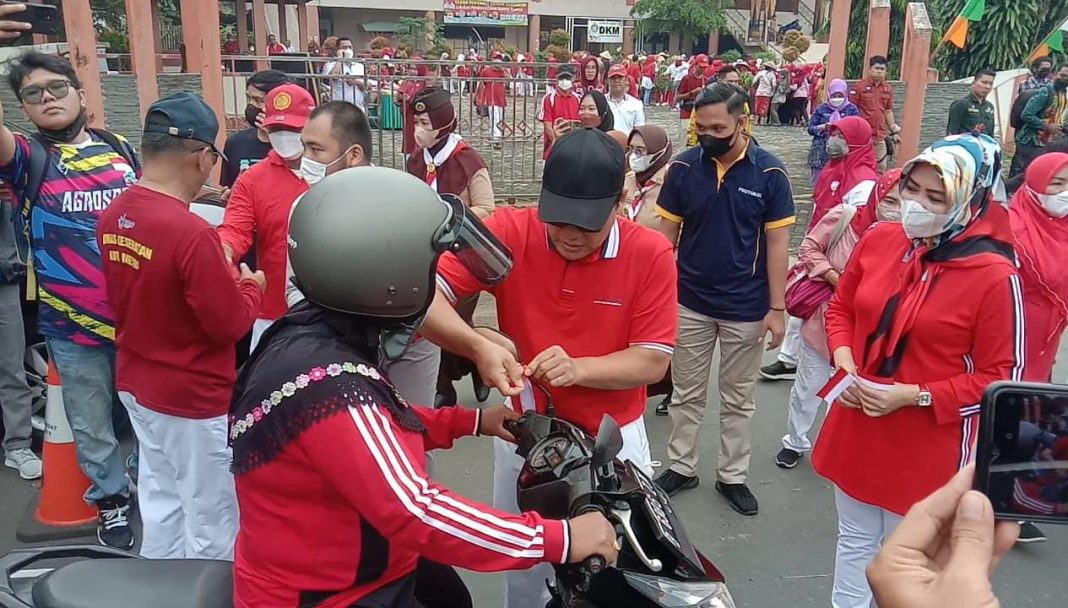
<point x="609" y="442"/>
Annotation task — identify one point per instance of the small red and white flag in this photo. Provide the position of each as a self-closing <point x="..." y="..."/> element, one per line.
<point x="839" y="382"/>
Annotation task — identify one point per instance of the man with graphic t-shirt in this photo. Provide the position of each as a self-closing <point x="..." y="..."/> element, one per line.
<point x="82" y="171"/>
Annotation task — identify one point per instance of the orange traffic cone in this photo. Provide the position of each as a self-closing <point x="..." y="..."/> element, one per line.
<point x="61" y="510"/>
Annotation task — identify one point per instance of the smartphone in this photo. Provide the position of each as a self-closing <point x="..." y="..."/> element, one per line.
<point x="1022" y="456"/>
<point x="43" y="18"/>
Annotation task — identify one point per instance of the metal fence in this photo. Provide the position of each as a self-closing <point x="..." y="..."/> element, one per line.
<point x="509" y="139"/>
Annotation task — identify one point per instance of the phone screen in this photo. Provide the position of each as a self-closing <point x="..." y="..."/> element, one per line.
<point x="1022" y="461"/>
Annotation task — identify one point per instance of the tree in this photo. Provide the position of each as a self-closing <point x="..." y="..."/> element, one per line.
<point x="1009" y="31"/>
<point x="689" y="18"/>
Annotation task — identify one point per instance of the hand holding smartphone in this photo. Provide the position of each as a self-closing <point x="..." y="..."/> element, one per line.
<point x="1022" y="457"/>
<point x="17" y="19"/>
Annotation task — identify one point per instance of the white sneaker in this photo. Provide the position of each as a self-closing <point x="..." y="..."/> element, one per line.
<point x="25" y="462"/>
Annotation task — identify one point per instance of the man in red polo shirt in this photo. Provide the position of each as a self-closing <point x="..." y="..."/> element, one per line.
<point x="590" y="305"/>
<point x="875" y="98"/>
<point x="179" y="310"/>
<point x="559" y="107"/>
<point x="262" y="195"/>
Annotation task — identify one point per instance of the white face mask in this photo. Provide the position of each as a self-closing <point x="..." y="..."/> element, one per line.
<point x="286" y="143"/>
<point x="640" y="162"/>
<point x="564" y="84"/>
<point x="837" y="101"/>
<point x="887" y="212"/>
<point x="919" y="222"/>
<point x="345" y="53"/>
<point x="314" y="171"/>
<point x="424" y="137"/>
<point x="1055" y="204"/>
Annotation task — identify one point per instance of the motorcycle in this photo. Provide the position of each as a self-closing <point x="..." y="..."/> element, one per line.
<point x="565" y="474"/>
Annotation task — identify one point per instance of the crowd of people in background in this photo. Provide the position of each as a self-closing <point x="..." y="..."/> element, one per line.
<point x="917" y="281"/>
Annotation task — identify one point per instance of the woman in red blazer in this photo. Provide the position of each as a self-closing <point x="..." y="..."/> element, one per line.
<point x="927" y="314"/>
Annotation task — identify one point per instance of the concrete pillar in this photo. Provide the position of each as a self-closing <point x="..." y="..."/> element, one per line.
<point x="302" y="26"/>
<point x="313" y="20"/>
<point x="534" y="33"/>
<point x="915" y="56"/>
<point x="81" y="40"/>
<point x="836" y="55"/>
<point x="878" y="29"/>
<point x="259" y="26"/>
<point x="713" y="43"/>
<point x="200" y="31"/>
<point x="157" y="36"/>
<point x="142" y="51"/>
<point x="242" y="25"/>
<point x="628" y="37"/>
<point x="283" y="23"/>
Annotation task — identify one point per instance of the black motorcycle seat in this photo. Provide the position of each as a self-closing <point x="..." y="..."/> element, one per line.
<point x="137" y="583"/>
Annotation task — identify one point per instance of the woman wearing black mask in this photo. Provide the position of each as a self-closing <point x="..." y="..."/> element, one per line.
<point x="249" y="146"/>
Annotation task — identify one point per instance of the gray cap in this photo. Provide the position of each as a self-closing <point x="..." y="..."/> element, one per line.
<point x="362" y="241"/>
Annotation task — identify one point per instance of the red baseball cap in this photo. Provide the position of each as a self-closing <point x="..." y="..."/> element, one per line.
<point x="496" y="55"/>
<point x="617" y="70"/>
<point x="288" y="106"/>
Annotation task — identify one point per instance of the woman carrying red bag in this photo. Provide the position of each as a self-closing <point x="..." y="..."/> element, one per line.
<point x="926" y="315"/>
<point x="850" y="173"/>
<point x="823" y="257"/>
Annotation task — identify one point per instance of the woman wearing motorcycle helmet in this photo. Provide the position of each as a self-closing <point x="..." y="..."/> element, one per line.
<point x="336" y="508"/>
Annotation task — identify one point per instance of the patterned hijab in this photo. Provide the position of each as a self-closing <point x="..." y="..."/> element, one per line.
<point x="969" y="166"/>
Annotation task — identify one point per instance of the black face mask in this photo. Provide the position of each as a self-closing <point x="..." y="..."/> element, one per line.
<point x="716" y="147"/>
<point x="1044" y="72"/>
<point x="1060" y="84"/>
<point x="251" y="114"/>
<point x="66" y="134"/>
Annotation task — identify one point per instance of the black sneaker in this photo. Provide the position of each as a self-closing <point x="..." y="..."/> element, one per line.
<point x="662" y="407"/>
<point x="1029" y="533"/>
<point x="672" y="483"/>
<point x="482" y="392"/>
<point x="114" y="527"/>
<point x="738" y="494"/>
<point x="787" y="458"/>
<point x="778" y="371"/>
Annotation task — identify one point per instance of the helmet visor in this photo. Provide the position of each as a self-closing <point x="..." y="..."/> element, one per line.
<point x="482" y="254"/>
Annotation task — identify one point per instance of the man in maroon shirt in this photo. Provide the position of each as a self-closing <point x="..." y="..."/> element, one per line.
<point x="875" y="98"/>
<point x="179" y="310"/>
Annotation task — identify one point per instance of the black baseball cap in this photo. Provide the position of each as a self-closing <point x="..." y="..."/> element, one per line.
<point x="583" y="180"/>
<point x="565" y="71"/>
<point x="184" y="115"/>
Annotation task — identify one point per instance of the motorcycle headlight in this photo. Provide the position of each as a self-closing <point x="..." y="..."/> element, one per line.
<point x="675" y="594"/>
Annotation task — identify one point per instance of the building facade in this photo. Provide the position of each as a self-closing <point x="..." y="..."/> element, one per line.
<point x="594" y="25"/>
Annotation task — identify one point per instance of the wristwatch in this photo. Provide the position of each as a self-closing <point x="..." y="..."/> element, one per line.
<point x="924" y="399"/>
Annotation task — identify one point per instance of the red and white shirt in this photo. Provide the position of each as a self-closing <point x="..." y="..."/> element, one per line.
<point x="621" y="296"/>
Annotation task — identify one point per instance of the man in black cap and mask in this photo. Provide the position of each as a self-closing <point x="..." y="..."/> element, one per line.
<point x="62" y="178"/>
<point x="590" y="304"/>
<point x="249" y="146"/>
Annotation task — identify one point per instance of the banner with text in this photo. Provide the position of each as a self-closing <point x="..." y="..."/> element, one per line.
<point x="486" y="12"/>
<point x="605" y="31"/>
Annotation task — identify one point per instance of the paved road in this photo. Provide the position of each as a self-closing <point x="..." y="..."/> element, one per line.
<point x="784" y="556"/>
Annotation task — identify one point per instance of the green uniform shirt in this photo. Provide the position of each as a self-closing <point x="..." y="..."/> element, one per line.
<point x="968" y="113"/>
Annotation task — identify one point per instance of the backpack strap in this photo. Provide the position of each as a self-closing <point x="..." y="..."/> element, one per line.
<point x="119" y="146"/>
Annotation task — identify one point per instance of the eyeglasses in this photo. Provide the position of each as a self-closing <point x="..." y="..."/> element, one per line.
<point x="214" y="154"/>
<point x="633" y="150"/>
<point x="34" y="94"/>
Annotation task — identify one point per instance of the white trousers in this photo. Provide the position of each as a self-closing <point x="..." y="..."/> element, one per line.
<point x="813" y="372"/>
<point x="526" y="588"/>
<point x="186" y="492"/>
<point x="258" y="327"/>
<point x="496" y="115"/>
<point x="791" y="342"/>
<point x="861" y="530"/>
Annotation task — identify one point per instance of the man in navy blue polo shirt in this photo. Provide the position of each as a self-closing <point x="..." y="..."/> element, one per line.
<point x="728" y="205"/>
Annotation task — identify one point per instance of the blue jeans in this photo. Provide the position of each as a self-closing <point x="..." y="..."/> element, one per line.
<point x="647" y="96"/>
<point x="88" y="377"/>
